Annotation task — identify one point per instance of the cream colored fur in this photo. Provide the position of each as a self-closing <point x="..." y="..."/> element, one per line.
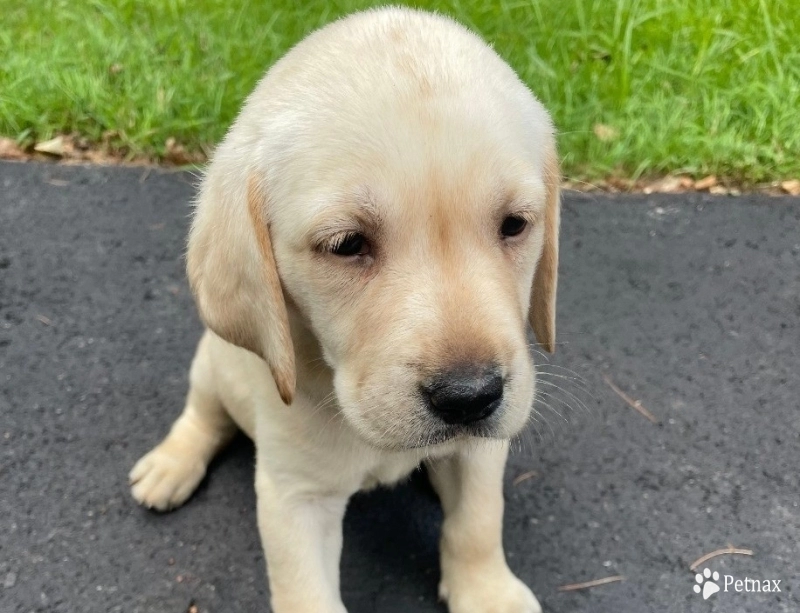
<point x="406" y="128"/>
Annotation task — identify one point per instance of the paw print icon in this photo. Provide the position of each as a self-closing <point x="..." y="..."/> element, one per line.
<point x="706" y="583"/>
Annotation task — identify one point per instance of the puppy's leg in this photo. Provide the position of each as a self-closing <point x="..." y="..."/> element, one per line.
<point x="475" y="576"/>
<point x="164" y="478"/>
<point x="302" y="536"/>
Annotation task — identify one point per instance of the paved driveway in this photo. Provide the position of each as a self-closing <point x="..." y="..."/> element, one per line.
<point x="688" y="304"/>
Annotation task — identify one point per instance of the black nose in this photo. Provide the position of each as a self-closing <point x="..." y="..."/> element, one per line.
<point x="464" y="396"/>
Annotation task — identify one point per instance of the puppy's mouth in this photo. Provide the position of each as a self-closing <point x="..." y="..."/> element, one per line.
<point x="447" y="433"/>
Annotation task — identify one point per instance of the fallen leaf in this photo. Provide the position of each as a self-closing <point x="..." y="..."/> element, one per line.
<point x="705" y="183"/>
<point x="791" y="187"/>
<point x="667" y="185"/>
<point x="605" y="133"/>
<point x="624" y="185"/>
<point x="10" y="150"/>
<point x="99" y="157"/>
<point x="176" y="153"/>
<point x="54" y="146"/>
<point x="718" y="190"/>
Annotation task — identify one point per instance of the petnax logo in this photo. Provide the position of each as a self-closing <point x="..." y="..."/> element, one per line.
<point x="709" y="583"/>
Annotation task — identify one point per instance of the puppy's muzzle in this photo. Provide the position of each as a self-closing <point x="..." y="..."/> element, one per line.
<point x="464" y="395"/>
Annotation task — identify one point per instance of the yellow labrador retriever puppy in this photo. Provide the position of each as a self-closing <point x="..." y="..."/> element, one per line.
<point x="370" y="241"/>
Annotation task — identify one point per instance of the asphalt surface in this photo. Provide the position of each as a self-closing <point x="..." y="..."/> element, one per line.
<point x="690" y="304"/>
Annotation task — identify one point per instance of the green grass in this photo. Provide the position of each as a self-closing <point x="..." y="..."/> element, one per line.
<point x="697" y="86"/>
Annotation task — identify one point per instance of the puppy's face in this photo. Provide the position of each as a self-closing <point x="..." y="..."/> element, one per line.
<point x="411" y="219"/>
<point x="414" y="272"/>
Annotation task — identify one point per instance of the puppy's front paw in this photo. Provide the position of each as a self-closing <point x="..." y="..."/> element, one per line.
<point x="162" y="480"/>
<point x="487" y="589"/>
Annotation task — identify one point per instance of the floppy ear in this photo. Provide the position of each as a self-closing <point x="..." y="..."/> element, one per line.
<point x="232" y="272"/>
<point x="545" y="281"/>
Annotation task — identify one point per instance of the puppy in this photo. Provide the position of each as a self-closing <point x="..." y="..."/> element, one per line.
<point x="369" y="244"/>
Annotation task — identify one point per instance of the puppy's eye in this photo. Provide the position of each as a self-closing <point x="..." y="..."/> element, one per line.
<point x="513" y="226"/>
<point x="351" y="245"/>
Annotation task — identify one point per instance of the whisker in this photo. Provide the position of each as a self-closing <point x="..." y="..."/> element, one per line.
<point x="580" y="402"/>
<point x="545" y="421"/>
<point x="580" y="383"/>
<point x="556" y="399"/>
<point x="572" y="373"/>
<point x="539" y="353"/>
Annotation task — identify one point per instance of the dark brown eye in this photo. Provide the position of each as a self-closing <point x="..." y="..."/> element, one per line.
<point x="512" y="226"/>
<point x="350" y="245"/>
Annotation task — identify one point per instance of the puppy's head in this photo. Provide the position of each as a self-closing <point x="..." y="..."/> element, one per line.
<point x="415" y="235"/>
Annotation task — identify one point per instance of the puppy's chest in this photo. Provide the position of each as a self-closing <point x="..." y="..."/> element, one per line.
<point x="389" y="470"/>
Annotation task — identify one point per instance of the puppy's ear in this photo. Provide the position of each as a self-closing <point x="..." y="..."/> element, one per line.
<point x="234" y="278"/>
<point x="545" y="281"/>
